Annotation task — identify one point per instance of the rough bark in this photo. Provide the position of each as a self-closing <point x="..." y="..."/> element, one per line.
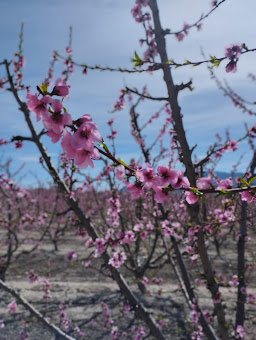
<point x="173" y="91"/>
<point x="241" y="298"/>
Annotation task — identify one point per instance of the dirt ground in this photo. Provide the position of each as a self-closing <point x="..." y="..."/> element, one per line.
<point x="85" y="289"/>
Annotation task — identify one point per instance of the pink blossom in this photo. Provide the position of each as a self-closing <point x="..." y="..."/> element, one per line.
<point x="113" y="135"/>
<point x="38" y="106"/>
<point x="56" y="105"/>
<point x="60" y="82"/>
<point x="251" y="299"/>
<point x="85" y="137"/>
<point x="100" y="245"/>
<point x="118" y="259"/>
<point x="71" y="194"/>
<point x="207" y="316"/>
<point x="61" y="90"/>
<point x="69" y="50"/>
<point x="66" y="144"/>
<point x="243" y="290"/>
<point x="111" y="121"/>
<point x="81" y="233"/>
<point x="22" y="62"/>
<point x="3" y="141"/>
<point x="84" y="119"/>
<point x="114" y="333"/>
<point x="83" y="158"/>
<point x="168" y="231"/>
<point x="12" y="307"/>
<point x="161" y="323"/>
<point x="89" y="242"/>
<point x="180" y="36"/>
<point x="63" y="314"/>
<point x="231" y="66"/>
<point x="138" y="227"/>
<point x="145" y="280"/>
<point x="151" y="51"/>
<point x="247" y="196"/>
<point x="225" y="184"/>
<point x="252" y="131"/>
<point x="120" y="172"/>
<point x="146" y="17"/>
<point x="234" y="282"/>
<point x="18" y="144"/>
<point x="176" y="225"/>
<point x="195" y="316"/>
<point x="135" y="189"/>
<point x="144" y="234"/>
<point x="2" y="325"/>
<point x="250" y="267"/>
<point x="198" y="333"/>
<point x="140" y="334"/>
<point x="71" y="256"/>
<point x="213" y="3"/>
<point x="204" y="183"/>
<point x="150" y="226"/>
<point x="160" y="195"/>
<point x="148" y="177"/>
<point x="232" y="145"/>
<point x="120" y="104"/>
<point x="55" y="137"/>
<point x="219" y="154"/>
<point x="186" y="26"/>
<point x="218" y="298"/>
<point x="182" y="182"/>
<point x="57" y="121"/>
<point x="157" y="280"/>
<point x="67" y="324"/>
<point x="168" y="176"/>
<point x="2" y="82"/>
<point x="239" y="332"/>
<point x="191" y="197"/>
<point x="233" y="51"/>
<point x="137" y="12"/>
<point x="194" y="258"/>
<point x="199" y="27"/>
<point x="129" y="237"/>
<point x="32" y="276"/>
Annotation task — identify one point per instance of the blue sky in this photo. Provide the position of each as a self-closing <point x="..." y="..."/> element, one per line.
<point x="105" y="33"/>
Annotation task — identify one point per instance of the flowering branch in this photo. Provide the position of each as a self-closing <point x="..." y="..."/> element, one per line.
<point x="56" y="330"/>
<point x="197" y="24"/>
<point x="237" y="100"/>
<point x="84" y="220"/>
<point x="186" y="153"/>
<point x="153" y="66"/>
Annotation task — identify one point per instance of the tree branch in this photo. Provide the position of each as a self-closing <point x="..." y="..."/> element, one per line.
<point x="190" y="170"/>
<point x="135" y="91"/>
<point x="85" y="221"/>
<point x="35" y="312"/>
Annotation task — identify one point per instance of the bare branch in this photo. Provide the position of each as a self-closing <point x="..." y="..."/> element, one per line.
<point x="135" y="91"/>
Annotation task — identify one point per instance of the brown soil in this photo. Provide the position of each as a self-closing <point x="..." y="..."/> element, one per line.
<point x="84" y="289"/>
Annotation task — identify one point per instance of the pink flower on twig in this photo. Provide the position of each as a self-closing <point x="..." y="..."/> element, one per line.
<point x="12" y="307"/>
